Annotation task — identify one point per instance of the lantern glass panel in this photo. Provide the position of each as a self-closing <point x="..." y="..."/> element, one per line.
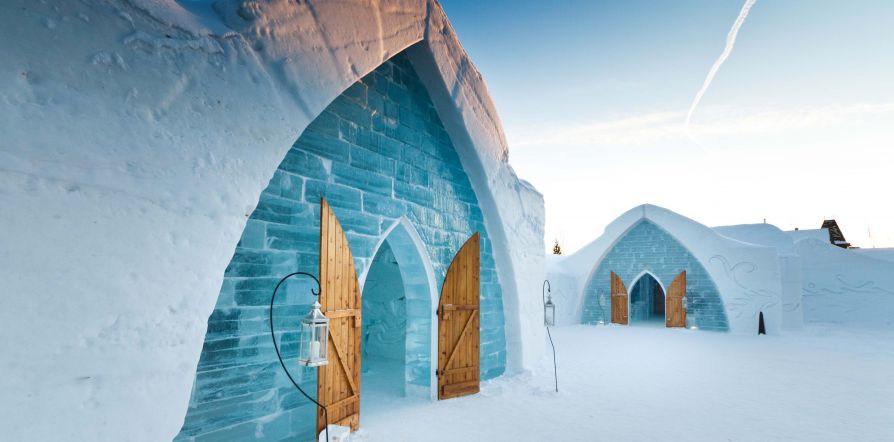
<point x="549" y="314"/>
<point x="313" y="346"/>
<point x="319" y="347"/>
<point x="304" y="344"/>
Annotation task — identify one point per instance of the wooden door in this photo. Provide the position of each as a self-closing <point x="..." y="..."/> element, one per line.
<point x="458" y="324"/>
<point x="338" y="382"/>
<point x="674" y="311"/>
<point x="619" y="300"/>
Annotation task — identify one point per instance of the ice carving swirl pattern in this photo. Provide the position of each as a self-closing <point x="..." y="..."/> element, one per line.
<point x="762" y="299"/>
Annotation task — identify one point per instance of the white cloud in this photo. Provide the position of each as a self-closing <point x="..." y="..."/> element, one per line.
<point x="761" y="163"/>
<point x="714" y="123"/>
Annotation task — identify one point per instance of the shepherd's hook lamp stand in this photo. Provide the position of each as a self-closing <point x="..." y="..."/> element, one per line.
<point x="549" y="319"/>
<point x="314" y="340"/>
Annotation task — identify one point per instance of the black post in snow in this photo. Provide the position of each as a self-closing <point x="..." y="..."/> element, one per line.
<point x="761" y="329"/>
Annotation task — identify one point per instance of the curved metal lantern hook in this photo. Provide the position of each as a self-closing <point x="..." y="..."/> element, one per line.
<point x="312" y="291"/>
<point x="276" y="346"/>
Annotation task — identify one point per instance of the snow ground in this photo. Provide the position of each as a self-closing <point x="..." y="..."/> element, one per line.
<point x="651" y="383"/>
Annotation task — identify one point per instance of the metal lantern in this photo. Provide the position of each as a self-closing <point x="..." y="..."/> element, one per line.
<point x="314" y="343"/>
<point x="549" y="313"/>
<point x="549" y="309"/>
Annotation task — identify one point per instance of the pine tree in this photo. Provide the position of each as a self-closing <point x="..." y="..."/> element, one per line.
<point x="557" y="249"/>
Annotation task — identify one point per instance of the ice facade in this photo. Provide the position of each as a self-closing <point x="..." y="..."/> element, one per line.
<point x="378" y="153"/>
<point x="648" y="248"/>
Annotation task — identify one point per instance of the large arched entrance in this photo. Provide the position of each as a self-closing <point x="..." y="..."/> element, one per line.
<point x="647" y="301"/>
<point x="382" y="158"/>
<point x="398" y="302"/>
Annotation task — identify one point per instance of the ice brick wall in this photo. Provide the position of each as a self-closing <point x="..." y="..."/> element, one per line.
<point x="378" y="152"/>
<point x="646" y="247"/>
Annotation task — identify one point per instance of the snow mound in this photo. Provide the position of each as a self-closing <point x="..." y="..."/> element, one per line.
<point x="845" y="288"/>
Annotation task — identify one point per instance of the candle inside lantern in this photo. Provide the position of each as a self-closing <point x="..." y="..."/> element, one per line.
<point x="314" y="349"/>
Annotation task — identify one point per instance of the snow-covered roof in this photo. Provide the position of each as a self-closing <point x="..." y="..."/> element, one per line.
<point x="818" y="234"/>
<point x="760" y="234"/>
<point x="677" y="225"/>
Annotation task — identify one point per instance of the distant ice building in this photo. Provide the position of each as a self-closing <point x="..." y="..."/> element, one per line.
<point x="835" y="234"/>
<point x="654" y="266"/>
<point x="650" y="259"/>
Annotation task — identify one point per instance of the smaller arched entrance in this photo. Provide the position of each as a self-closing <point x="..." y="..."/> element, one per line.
<point x="690" y="294"/>
<point x="398" y="303"/>
<point x="647" y="301"/>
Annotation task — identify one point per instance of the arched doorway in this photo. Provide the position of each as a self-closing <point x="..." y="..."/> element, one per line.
<point x="398" y="301"/>
<point x="384" y="327"/>
<point x="647" y="301"/>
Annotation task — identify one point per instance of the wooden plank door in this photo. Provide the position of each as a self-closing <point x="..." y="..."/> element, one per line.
<point x="674" y="311"/>
<point x="459" y="372"/>
<point x="619" y="300"/>
<point x="338" y="382"/>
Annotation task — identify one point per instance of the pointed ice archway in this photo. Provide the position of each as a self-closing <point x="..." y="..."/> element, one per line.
<point x="647" y="298"/>
<point x="419" y="288"/>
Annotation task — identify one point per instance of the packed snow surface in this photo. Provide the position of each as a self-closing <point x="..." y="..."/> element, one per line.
<point x="651" y="383"/>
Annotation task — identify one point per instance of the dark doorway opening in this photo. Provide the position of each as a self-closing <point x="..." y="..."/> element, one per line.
<point x="647" y="300"/>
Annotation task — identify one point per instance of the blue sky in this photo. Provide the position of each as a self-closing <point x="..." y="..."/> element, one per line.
<point x="798" y="124"/>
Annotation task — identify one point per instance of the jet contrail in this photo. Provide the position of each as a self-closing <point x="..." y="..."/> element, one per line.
<point x="730" y="42"/>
